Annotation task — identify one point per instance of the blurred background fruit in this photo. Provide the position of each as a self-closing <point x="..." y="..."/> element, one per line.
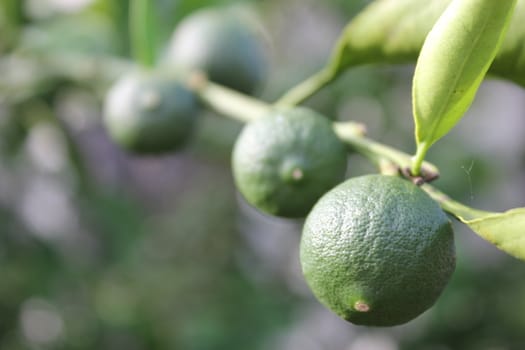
<point x="224" y="43"/>
<point x="150" y="112"/>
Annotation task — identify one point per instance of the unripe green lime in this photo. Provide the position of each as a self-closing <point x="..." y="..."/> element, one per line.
<point x="284" y="162"/>
<point x="377" y="250"/>
<point x="146" y="112"/>
<point x="221" y="44"/>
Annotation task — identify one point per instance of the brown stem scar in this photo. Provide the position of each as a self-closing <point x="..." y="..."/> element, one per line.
<point x="425" y="177"/>
<point x="297" y="174"/>
<point x="361" y="306"/>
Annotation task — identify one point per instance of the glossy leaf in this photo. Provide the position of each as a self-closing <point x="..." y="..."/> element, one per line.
<point x="393" y="31"/>
<point x="505" y="230"/>
<point x="386" y="31"/>
<point x="453" y="62"/>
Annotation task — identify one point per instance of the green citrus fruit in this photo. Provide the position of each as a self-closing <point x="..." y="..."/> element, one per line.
<point x="146" y="112"/>
<point x="284" y="162"/>
<point x="377" y="250"/>
<point x="222" y="44"/>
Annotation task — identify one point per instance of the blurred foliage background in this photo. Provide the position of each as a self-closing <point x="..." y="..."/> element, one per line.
<point x="105" y="250"/>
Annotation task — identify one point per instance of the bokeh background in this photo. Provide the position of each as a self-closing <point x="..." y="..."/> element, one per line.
<point x="100" y="249"/>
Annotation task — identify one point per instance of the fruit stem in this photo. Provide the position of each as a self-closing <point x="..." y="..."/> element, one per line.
<point x="142" y="31"/>
<point x="377" y="152"/>
<point x="418" y="158"/>
<point x="306" y="88"/>
<point x="243" y="108"/>
<point x="226" y="101"/>
<point x="459" y="210"/>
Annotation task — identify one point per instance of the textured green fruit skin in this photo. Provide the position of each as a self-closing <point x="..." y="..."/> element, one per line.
<point x="378" y="241"/>
<point x="270" y="150"/>
<point x="223" y="46"/>
<point x="146" y="112"/>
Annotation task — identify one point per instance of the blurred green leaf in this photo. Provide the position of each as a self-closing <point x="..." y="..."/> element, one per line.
<point x="386" y="31"/>
<point x="11" y="17"/>
<point x="86" y="33"/>
<point x="394" y="31"/>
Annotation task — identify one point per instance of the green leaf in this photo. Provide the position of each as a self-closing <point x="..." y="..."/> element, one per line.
<point x="452" y="63"/>
<point x="389" y="31"/>
<point x="393" y="31"/>
<point x="505" y="230"/>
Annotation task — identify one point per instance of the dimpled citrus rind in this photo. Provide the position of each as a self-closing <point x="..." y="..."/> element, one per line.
<point x="377" y="250"/>
<point x="284" y="162"/>
<point x="148" y="112"/>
